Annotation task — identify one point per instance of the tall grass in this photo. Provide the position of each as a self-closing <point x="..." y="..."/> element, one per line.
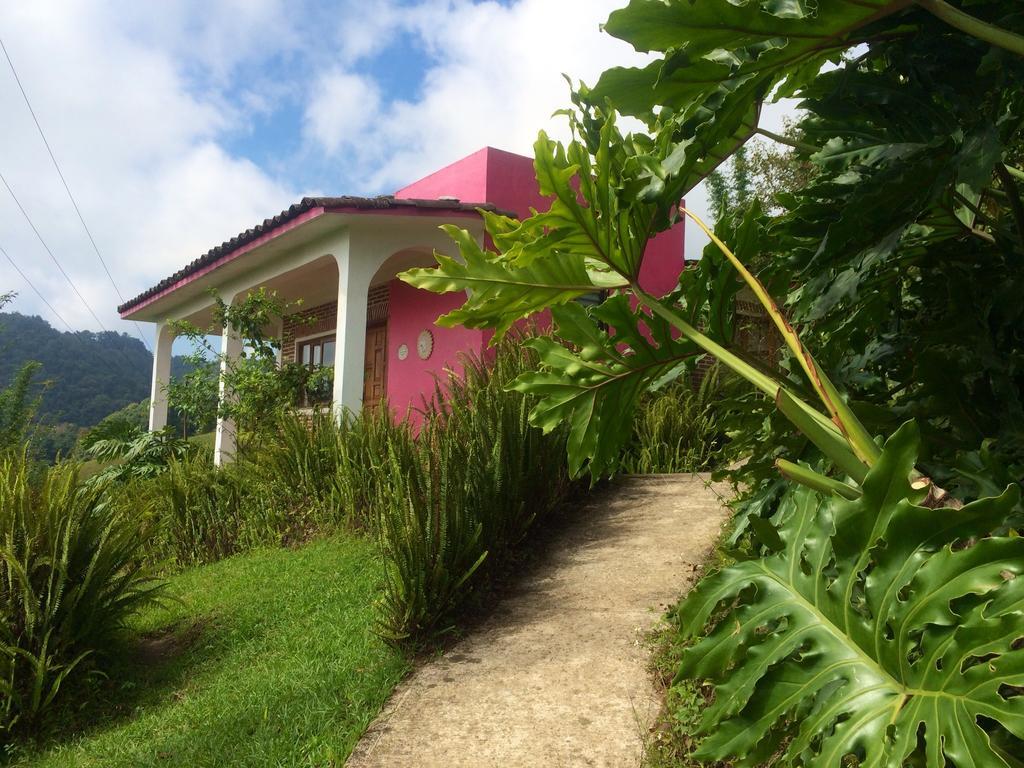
<point x="447" y="501"/>
<point x="478" y="478"/>
<point x="447" y="498"/>
<point x="201" y="513"/>
<point x="71" y="572"/>
<point x="678" y="429"/>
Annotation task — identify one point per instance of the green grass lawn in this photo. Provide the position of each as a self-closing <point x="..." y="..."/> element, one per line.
<point x="269" y="659"/>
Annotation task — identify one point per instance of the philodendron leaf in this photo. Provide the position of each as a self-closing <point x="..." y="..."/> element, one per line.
<point x="499" y="293"/>
<point x="884" y="630"/>
<point x="591" y="377"/>
<point x="726" y="40"/>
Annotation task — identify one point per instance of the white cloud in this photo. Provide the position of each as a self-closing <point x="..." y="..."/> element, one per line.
<point x="496" y="80"/>
<point x="136" y="137"/>
<point x="343" y="109"/>
<point x="141" y="102"/>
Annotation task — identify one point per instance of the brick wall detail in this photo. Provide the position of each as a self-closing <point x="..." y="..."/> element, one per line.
<point x="304" y="323"/>
<point x="323" y="319"/>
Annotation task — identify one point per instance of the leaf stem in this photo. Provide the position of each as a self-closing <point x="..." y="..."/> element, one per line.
<point x="857" y="436"/>
<point x="803" y="146"/>
<point x="975" y="27"/>
<point x="1013" y="195"/>
<point x="730" y="359"/>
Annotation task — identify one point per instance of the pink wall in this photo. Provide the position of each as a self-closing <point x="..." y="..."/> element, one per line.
<point x="490" y="175"/>
<point x="663" y="261"/>
<point x="507" y="181"/>
<point x="412" y="311"/>
<point x="465" y="179"/>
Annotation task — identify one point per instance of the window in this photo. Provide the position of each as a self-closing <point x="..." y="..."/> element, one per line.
<point x="316" y="353"/>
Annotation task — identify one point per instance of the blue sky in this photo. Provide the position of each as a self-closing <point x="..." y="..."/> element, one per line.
<point x="180" y="124"/>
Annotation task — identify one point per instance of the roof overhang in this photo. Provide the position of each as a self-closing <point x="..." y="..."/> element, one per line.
<point x="306" y="222"/>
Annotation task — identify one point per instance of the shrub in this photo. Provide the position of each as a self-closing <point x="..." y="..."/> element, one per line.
<point x="71" y="572"/>
<point x="329" y="469"/>
<point x="131" y="451"/>
<point x="677" y="429"/>
<point x="457" y="501"/>
<point x="447" y="502"/>
<point x="203" y="513"/>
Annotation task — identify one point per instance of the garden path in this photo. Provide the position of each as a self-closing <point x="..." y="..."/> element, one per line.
<point x="557" y="676"/>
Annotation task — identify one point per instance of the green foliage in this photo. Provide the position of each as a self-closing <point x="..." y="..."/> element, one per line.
<point x="677" y="429"/>
<point x="453" y="505"/>
<point x="18" y="406"/>
<point x="203" y="513"/>
<point x="593" y="377"/>
<point x="136" y="414"/>
<point x="88" y="375"/>
<point x="71" y="573"/>
<point x="448" y="501"/>
<point x="332" y="469"/>
<point x="759" y="171"/>
<point x="131" y="451"/>
<point x="193" y="396"/>
<point x="592" y="380"/>
<point x="266" y="658"/>
<point x="260" y="390"/>
<point x="880" y="628"/>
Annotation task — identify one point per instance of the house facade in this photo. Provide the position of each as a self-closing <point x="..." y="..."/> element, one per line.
<point x="339" y="256"/>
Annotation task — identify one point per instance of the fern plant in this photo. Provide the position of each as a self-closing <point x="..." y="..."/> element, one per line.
<point x="677" y="429"/>
<point x="452" y="503"/>
<point x="72" y="570"/>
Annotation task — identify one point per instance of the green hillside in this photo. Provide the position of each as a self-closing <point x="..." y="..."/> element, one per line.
<point x="88" y="375"/>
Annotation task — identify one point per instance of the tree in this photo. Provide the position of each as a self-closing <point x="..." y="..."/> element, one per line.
<point x="259" y="389"/>
<point x="18" y="402"/>
<point x="875" y="618"/>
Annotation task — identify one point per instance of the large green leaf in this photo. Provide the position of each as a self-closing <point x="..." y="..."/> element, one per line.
<point x="499" y="293"/>
<point x="722" y="59"/>
<point x="710" y="42"/>
<point x="592" y="377"/>
<point x="884" y="630"/>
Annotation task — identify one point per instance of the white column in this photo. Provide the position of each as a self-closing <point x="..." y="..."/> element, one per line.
<point x="161" y="377"/>
<point x="226" y="440"/>
<point x="355" y="270"/>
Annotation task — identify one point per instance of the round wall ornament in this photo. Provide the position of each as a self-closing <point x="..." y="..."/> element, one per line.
<point x="425" y="344"/>
<point x="403" y="351"/>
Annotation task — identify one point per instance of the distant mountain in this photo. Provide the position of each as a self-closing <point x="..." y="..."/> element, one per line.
<point x="90" y="374"/>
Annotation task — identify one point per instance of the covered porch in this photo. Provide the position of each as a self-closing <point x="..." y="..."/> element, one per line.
<point x="339" y="256"/>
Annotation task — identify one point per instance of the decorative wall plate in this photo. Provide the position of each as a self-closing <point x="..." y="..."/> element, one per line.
<point x="425" y="344"/>
<point x="403" y="351"/>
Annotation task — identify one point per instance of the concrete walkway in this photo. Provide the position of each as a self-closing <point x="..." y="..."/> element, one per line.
<point x="557" y="676"/>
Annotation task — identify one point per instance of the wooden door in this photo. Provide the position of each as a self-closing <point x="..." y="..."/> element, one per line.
<point x="375" y="372"/>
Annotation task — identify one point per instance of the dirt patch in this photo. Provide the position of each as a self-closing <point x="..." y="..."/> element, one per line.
<point x="160" y="647"/>
<point x="558" y="675"/>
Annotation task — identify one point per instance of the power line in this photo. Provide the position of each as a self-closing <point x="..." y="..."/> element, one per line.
<point x="59" y="267"/>
<point x="67" y="188"/>
<point x="32" y="286"/>
<point x="47" y="249"/>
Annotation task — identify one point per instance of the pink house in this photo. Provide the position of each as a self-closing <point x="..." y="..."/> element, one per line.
<point x="340" y="256"/>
